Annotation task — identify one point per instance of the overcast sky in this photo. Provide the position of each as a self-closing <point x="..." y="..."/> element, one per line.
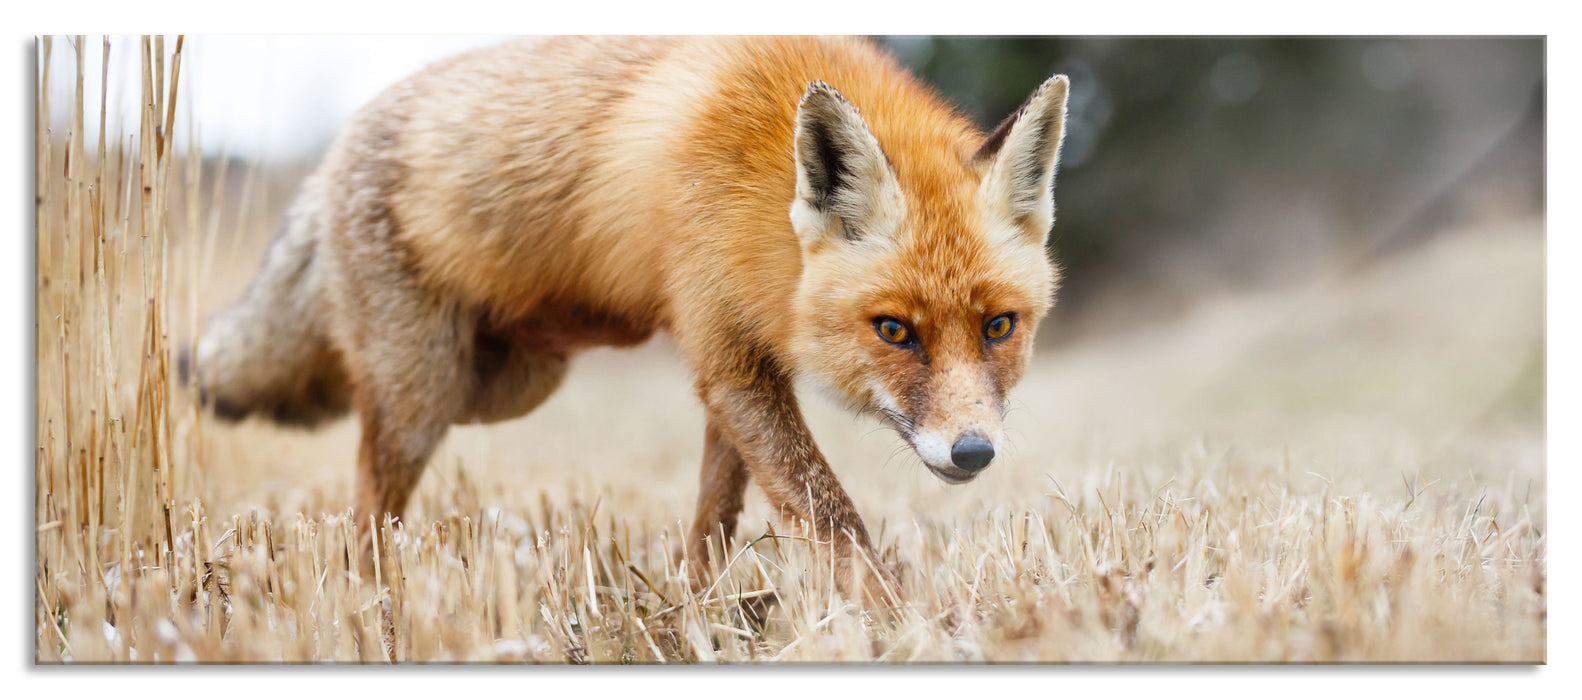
<point x="251" y="96"/>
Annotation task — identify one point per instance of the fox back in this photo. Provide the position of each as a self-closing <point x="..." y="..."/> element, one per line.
<point x="702" y="186"/>
<point x="783" y="207"/>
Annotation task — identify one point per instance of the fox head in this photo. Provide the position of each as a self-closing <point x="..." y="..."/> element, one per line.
<point x="924" y="272"/>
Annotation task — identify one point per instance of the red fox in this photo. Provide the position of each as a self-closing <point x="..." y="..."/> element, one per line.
<point x="783" y="207"/>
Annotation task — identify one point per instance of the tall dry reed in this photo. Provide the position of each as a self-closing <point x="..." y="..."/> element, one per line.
<point x="1107" y="549"/>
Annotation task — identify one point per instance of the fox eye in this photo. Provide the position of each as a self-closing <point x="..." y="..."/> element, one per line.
<point x="892" y="331"/>
<point x="999" y="327"/>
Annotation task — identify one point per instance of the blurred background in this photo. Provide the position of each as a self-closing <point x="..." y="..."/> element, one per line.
<point x="1322" y="249"/>
<point x="1340" y="225"/>
<point x="1196" y="166"/>
<point x="1192" y="167"/>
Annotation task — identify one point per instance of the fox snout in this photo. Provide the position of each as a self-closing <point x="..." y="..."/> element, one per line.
<point x="951" y="417"/>
<point x="955" y="461"/>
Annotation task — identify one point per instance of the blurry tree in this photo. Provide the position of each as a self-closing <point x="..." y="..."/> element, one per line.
<point x="1197" y="164"/>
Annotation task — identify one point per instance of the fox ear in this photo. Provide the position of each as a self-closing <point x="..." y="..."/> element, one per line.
<point x="1019" y="159"/>
<point x="844" y="184"/>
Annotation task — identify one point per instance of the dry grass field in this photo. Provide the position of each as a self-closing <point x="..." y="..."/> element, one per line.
<point x="1349" y="470"/>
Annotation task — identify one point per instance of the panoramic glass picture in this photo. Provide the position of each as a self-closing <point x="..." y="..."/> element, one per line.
<point x="785" y="349"/>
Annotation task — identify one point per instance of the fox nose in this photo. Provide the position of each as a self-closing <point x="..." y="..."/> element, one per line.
<point x="972" y="453"/>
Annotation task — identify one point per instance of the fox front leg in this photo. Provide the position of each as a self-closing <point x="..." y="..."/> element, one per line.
<point x="762" y="420"/>
<point x="721" y="487"/>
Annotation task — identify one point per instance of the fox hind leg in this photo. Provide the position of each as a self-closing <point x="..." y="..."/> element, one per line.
<point x="411" y="383"/>
<point x="418" y="371"/>
<point x="443" y="372"/>
<point x="407" y="353"/>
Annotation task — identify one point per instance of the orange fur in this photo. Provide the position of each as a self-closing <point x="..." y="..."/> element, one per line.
<point x="481" y="221"/>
